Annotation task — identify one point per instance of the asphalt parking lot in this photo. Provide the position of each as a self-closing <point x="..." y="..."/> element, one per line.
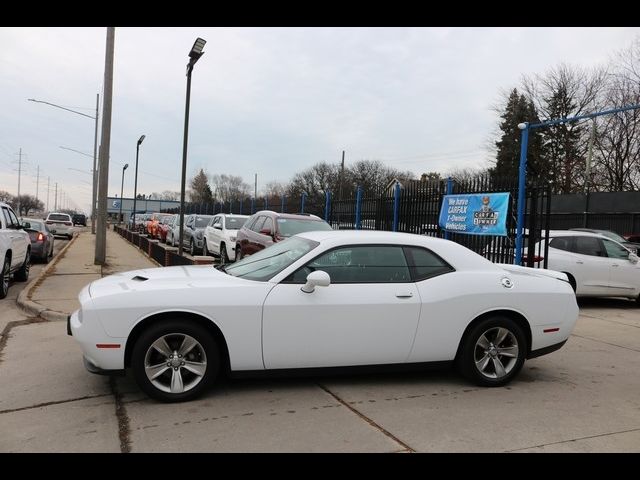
<point x="582" y="398"/>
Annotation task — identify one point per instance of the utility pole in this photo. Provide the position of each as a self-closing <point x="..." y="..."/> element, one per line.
<point x="55" y="203"/>
<point x="587" y="173"/>
<point x="255" y="194"/>
<point x="103" y="185"/>
<point x="48" y="186"/>
<point x="19" y="174"/>
<point x="37" y="182"/>
<point x="95" y="172"/>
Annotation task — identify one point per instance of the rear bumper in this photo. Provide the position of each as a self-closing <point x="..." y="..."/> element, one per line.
<point x="546" y="350"/>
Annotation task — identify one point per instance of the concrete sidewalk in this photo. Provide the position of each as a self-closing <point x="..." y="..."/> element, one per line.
<point x="54" y="294"/>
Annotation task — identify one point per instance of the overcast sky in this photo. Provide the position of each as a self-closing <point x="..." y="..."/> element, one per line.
<point x="270" y="101"/>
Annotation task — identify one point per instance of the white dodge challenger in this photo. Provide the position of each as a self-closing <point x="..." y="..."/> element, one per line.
<point x="320" y="301"/>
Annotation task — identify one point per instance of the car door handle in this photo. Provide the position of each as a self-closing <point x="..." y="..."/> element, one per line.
<point x="404" y="295"/>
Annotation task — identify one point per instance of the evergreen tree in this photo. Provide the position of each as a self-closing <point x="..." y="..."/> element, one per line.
<point x="200" y="189"/>
<point x="518" y="110"/>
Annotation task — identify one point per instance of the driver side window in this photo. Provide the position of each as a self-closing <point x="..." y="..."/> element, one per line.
<point x="614" y="250"/>
<point x="359" y="264"/>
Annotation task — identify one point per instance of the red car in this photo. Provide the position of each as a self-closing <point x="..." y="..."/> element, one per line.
<point x="163" y="227"/>
<point x="265" y="228"/>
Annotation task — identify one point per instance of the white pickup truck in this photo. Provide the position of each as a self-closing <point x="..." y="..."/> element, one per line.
<point x="15" y="249"/>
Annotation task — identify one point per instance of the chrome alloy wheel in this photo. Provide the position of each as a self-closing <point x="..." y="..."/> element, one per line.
<point x="175" y="363"/>
<point x="496" y="352"/>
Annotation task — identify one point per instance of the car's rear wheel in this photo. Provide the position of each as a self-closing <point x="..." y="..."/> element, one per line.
<point x="175" y="360"/>
<point x="22" y="275"/>
<point x="192" y="248"/>
<point x="4" y="277"/>
<point x="239" y="253"/>
<point x="493" y="352"/>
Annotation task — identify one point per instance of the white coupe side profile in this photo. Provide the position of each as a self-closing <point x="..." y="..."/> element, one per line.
<point x="323" y="300"/>
<point x="220" y="236"/>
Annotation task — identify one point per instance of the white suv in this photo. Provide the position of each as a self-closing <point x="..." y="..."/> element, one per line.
<point x="60" y="224"/>
<point x="15" y="249"/>
<point x="220" y="236"/>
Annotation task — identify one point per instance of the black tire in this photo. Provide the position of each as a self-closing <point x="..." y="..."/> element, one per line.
<point x="205" y="249"/>
<point x="69" y="237"/>
<point x="5" y="274"/>
<point x="192" y="248"/>
<point x="239" y="254"/>
<point x="174" y="329"/>
<point x="22" y="275"/>
<point x="572" y="281"/>
<point x="471" y="352"/>
<point x="224" y="258"/>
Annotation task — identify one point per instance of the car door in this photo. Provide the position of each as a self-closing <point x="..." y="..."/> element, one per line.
<point x="591" y="266"/>
<point x="367" y="315"/>
<point x="253" y="237"/>
<point x="188" y="230"/>
<point x="215" y="234"/>
<point x="18" y="243"/>
<point x="624" y="275"/>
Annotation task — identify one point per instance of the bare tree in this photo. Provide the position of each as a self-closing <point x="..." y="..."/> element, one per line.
<point x="6" y="197"/>
<point x="29" y="203"/>
<point x="229" y="187"/>
<point x="616" y="163"/>
<point x="566" y="91"/>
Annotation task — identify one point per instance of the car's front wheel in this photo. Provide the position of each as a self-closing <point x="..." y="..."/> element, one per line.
<point x="205" y="249"/>
<point x="224" y="258"/>
<point x="175" y="360"/>
<point x="493" y="352"/>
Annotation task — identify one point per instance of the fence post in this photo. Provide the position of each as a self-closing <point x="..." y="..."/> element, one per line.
<point x="240" y="206"/>
<point x="327" y="205"/>
<point x="282" y="206"/>
<point x="396" y="206"/>
<point x="252" y="200"/>
<point x="266" y="203"/>
<point x="304" y="195"/>
<point x="358" y="200"/>
<point x="449" y="192"/>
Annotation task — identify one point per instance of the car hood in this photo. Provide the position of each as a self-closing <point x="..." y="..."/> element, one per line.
<point x="164" y="278"/>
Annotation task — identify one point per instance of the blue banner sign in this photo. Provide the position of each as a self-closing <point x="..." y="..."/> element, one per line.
<point x="475" y="214"/>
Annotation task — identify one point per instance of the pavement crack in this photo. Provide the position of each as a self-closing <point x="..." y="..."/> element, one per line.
<point x="4" y="336"/>
<point x="124" y="429"/>
<point x="378" y="427"/>
<point x="56" y="402"/>
<point x="607" y="343"/>
<point x="575" y="439"/>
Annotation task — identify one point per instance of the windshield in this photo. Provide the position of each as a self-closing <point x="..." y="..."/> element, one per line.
<point x="235" y="223"/>
<point x="614" y="236"/>
<point x="34" y="225"/>
<point x="201" y="222"/>
<point x="288" y="227"/>
<point x="272" y="260"/>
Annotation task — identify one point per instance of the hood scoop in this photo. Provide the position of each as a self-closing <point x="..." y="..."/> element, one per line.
<point x="138" y="278"/>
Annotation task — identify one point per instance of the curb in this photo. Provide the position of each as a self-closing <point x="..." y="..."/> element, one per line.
<point x="34" y="308"/>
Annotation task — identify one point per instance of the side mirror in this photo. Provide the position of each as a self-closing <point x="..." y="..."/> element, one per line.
<point x="633" y="258"/>
<point x="316" y="279"/>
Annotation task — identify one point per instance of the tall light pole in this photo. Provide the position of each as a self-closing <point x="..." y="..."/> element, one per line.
<point x="95" y="152"/>
<point x="194" y="55"/>
<point x="126" y="165"/>
<point x="135" y="184"/>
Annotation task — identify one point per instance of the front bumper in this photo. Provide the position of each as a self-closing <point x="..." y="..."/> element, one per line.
<point x="101" y="351"/>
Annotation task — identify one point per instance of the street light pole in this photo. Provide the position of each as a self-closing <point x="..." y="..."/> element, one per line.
<point x="195" y="53"/>
<point x="95" y="151"/>
<point x="126" y="165"/>
<point x="135" y="183"/>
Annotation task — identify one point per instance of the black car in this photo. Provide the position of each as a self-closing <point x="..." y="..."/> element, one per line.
<point x="613" y="236"/>
<point x="79" y="219"/>
<point x="41" y="239"/>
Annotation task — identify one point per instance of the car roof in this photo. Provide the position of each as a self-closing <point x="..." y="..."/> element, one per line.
<point x="299" y="216"/>
<point x="576" y="233"/>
